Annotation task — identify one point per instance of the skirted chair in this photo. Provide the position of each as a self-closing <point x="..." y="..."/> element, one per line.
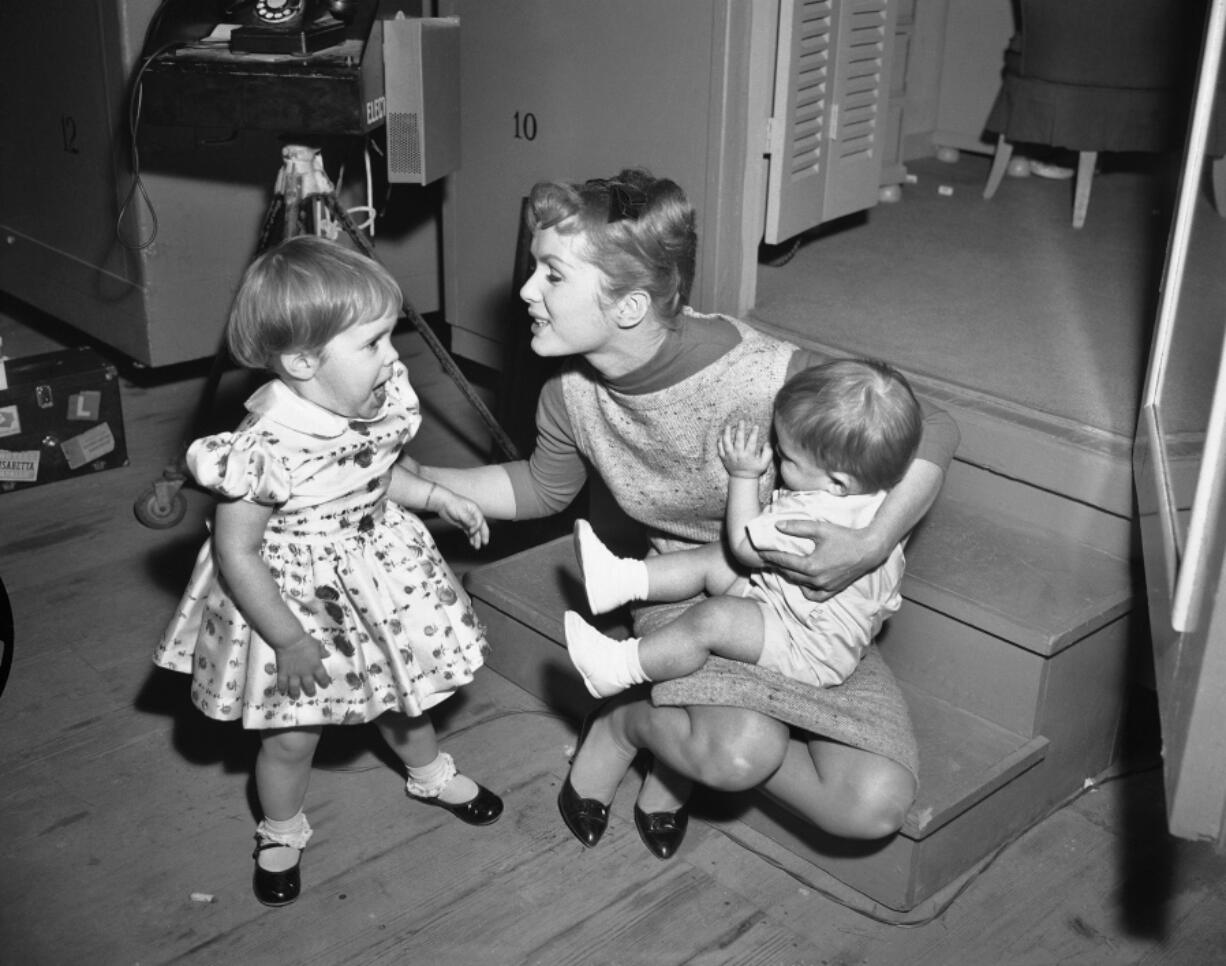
<point x="1096" y="76"/>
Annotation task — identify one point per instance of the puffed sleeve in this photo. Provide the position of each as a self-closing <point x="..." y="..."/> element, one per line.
<point x="240" y="466"/>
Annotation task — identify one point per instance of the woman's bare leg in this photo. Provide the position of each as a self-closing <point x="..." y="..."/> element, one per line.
<point x="663" y="790"/>
<point x="731" y="749"/>
<point x="843" y="790"/>
<point x="725" y="748"/>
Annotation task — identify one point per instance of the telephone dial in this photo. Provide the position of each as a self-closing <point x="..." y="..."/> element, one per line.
<point x="287" y="26"/>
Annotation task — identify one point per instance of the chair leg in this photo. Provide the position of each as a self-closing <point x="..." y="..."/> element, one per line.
<point x="1086" y="160"/>
<point x="1217" y="167"/>
<point x="1000" y="164"/>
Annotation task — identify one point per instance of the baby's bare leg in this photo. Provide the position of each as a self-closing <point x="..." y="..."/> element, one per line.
<point x="730" y="627"/>
<point x="682" y="574"/>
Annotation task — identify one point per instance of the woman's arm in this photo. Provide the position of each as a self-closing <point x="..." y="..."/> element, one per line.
<point x="238" y="531"/>
<point x="489" y="487"/>
<point x="843" y="555"/>
<point x="527" y="489"/>
<point x="418" y="493"/>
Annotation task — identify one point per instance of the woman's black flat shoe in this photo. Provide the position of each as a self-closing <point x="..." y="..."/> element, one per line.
<point x="662" y="832"/>
<point x="276" y="888"/>
<point x="482" y="809"/>
<point x="586" y="818"/>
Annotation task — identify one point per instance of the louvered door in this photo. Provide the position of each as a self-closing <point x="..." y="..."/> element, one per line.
<point x="827" y="127"/>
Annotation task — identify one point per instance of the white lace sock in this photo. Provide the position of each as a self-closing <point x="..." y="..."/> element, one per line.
<point x="606" y="665"/>
<point x="440" y="780"/>
<point x="609" y="580"/>
<point x="291" y="836"/>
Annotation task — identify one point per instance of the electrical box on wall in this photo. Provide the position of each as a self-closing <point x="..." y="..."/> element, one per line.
<point x="421" y="66"/>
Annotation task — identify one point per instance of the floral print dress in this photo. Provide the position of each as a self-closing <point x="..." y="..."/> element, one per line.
<point x="361" y="573"/>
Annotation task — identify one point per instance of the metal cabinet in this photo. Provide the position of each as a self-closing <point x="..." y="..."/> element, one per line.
<point x="156" y="283"/>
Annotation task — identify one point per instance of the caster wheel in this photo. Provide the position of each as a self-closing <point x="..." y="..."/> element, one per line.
<point x="948" y="155"/>
<point x="160" y="513"/>
<point x="889" y="193"/>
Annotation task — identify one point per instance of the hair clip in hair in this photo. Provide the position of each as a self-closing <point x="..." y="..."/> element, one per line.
<point x="626" y="201"/>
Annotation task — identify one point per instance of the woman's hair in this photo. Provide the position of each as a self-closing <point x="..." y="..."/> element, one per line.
<point x="300" y="294"/>
<point x="637" y="229"/>
<point x="854" y="416"/>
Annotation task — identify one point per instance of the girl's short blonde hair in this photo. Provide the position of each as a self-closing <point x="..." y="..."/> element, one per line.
<point x="300" y="294"/>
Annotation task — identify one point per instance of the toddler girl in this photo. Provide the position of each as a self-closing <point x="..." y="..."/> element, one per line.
<point x="846" y="432"/>
<point x="319" y="598"/>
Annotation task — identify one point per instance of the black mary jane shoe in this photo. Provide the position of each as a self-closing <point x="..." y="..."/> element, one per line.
<point x="587" y="818"/>
<point x="482" y="809"/>
<point x="662" y="832"/>
<point x="276" y="888"/>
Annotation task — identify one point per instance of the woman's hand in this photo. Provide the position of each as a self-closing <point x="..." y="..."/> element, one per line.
<point x="463" y="513"/>
<point x="839" y="558"/>
<point x="300" y="667"/>
<point x="741" y="452"/>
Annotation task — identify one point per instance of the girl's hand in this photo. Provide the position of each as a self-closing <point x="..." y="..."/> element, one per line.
<point x="841" y="556"/>
<point x="465" y="514"/>
<point x="300" y="666"/>
<point x="741" y="453"/>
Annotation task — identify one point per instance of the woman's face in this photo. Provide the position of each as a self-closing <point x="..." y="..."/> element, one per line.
<point x="564" y="299"/>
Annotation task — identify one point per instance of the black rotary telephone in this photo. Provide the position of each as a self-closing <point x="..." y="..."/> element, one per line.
<point x="262" y="26"/>
<point x="287" y="26"/>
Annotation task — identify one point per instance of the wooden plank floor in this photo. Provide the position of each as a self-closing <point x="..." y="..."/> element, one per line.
<point x="118" y="802"/>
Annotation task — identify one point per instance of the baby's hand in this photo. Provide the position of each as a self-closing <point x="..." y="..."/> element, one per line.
<point x="300" y="667"/>
<point x="741" y="453"/>
<point x="463" y="513"/>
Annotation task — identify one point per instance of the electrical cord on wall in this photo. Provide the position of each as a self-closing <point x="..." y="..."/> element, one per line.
<point x="136" y="190"/>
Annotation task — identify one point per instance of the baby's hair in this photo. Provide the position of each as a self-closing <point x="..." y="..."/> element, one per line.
<point x="853" y="416"/>
<point x="300" y="294"/>
<point x="637" y="229"/>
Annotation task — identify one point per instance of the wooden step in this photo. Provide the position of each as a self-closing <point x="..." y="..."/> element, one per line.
<point x="970" y="766"/>
<point x="1018" y="442"/>
<point x="979" y="786"/>
<point x="1034" y="588"/>
<point x="1020" y="626"/>
<point x="1050" y="452"/>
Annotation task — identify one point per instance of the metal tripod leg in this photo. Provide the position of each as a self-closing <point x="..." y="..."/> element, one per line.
<point x="301" y="186"/>
<point x="500" y="435"/>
